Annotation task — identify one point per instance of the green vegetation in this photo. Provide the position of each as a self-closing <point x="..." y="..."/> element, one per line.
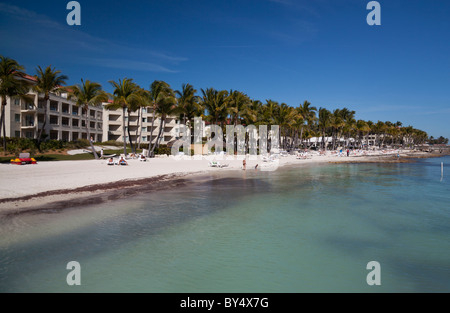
<point x="439" y="141"/>
<point x="221" y="107"/>
<point x="54" y="157"/>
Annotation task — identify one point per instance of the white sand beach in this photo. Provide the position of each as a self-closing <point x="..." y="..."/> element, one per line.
<point x="30" y="185"/>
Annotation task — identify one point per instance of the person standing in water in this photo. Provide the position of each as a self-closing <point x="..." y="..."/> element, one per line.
<point x="244" y="164"/>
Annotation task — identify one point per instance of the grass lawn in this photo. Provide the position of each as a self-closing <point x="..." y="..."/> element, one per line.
<point x="54" y="157"/>
<point x="63" y="157"/>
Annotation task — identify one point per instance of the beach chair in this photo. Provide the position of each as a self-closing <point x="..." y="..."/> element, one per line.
<point x="213" y="164"/>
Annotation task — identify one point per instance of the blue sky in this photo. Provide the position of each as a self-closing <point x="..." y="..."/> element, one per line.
<point x="322" y="51"/>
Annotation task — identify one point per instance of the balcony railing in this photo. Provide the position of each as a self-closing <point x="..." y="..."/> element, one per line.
<point x="28" y="107"/>
<point x="28" y="124"/>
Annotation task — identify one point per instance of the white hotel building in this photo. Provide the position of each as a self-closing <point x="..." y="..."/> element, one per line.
<point x="67" y="122"/>
<point x="140" y="126"/>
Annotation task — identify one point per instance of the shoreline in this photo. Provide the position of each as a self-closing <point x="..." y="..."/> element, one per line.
<point x="163" y="174"/>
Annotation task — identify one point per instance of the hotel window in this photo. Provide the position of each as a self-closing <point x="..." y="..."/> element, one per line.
<point x="144" y="110"/>
<point x="144" y="138"/>
<point x="54" y="120"/>
<point x="144" y="120"/>
<point x="17" y="134"/>
<point x="17" y="101"/>
<point x="17" y="118"/>
<point x="54" y="107"/>
<point x="144" y="129"/>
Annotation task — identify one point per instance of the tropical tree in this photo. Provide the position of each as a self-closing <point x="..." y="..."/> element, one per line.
<point x="88" y="94"/>
<point x="283" y="118"/>
<point x="188" y="104"/>
<point x="337" y="124"/>
<point x="216" y="105"/>
<point x="159" y="92"/>
<point x="363" y="129"/>
<point x="10" y="86"/>
<point x="253" y="114"/>
<point x="238" y="104"/>
<point x="167" y="106"/>
<point x="140" y="101"/>
<point x="380" y="133"/>
<point x="324" y="124"/>
<point x="349" y="124"/>
<point x="124" y="95"/>
<point x="48" y="81"/>
<point x="307" y="113"/>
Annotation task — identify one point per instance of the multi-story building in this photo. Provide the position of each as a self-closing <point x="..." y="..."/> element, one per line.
<point x="140" y="126"/>
<point x="65" y="121"/>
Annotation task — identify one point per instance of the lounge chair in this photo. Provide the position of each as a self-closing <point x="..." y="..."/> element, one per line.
<point x="217" y="164"/>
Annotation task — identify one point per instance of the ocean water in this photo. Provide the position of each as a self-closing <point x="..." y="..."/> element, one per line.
<point x="299" y="229"/>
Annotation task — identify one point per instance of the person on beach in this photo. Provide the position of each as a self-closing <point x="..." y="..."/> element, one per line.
<point x="256" y="167"/>
<point x="111" y="161"/>
<point x="244" y="165"/>
<point x="122" y="161"/>
<point x="348" y="152"/>
<point x="101" y="153"/>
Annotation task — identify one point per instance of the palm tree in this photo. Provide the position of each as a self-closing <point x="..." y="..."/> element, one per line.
<point x="380" y="132"/>
<point x="348" y="124"/>
<point x="337" y="124"/>
<point x="308" y="114"/>
<point x="10" y="86"/>
<point x="159" y="91"/>
<point x="268" y="112"/>
<point x="238" y="103"/>
<point x="47" y="81"/>
<point x="124" y="94"/>
<point x="188" y="103"/>
<point x="167" y="106"/>
<point x="141" y="100"/>
<point x="363" y="129"/>
<point x="283" y="118"/>
<point x="324" y="124"/>
<point x="215" y="103"/>
<point x="88" y="94"/>
<point x="253" y="114"/>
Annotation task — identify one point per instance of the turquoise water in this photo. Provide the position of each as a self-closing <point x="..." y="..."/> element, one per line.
<point x="299" y="229"/>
